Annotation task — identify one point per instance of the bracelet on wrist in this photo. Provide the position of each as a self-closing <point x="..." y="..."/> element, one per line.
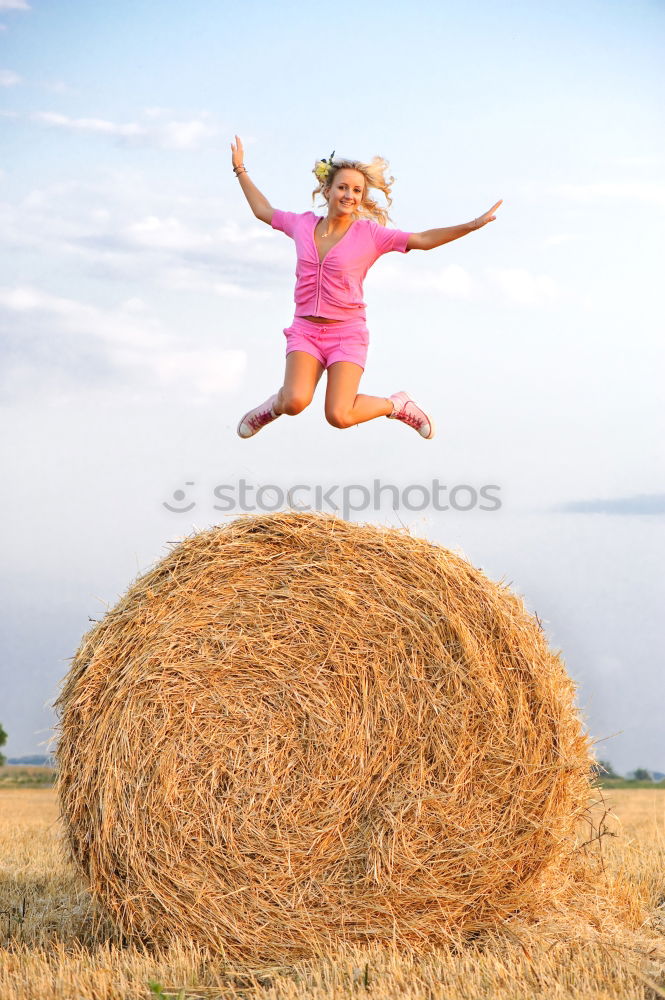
<point x="240" y="169"/>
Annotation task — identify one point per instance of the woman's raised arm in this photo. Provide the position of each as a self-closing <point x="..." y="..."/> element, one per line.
<point x="258" y="202"/>
<point x="432" y="238"/>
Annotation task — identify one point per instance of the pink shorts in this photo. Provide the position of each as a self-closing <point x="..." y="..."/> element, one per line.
<point x="346" y="340"/>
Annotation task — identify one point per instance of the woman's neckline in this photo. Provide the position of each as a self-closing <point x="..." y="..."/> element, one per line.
<point x="318" y="219"/>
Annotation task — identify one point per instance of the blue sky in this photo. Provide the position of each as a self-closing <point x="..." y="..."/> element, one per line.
<point x="142" y="305"/>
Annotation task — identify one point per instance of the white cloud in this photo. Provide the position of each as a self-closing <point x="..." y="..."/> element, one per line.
<point x="14" y="5"/>
<point x="452" y="281"/>
<point x="184" y="135"/>
<point x="8" y="78"/>
<point x="155" y="112"/>
<point x="125" y="338"/>
<point x="648" y="191"/>
<point x="82" y="318"/>
<point x="190" y="133"/>
<point x="168" y="233"/>
<point x="639" y="161"/>
<point x="59" y="87"/>
<point x="556" y="239"/>
<point x="120" y="228"/>
<point x="86" y="124"/>
<point x="188" y="279"/>
<point x="171" y="234"/>
<point x="134" y="304"/>
<point x="209" y="371"/>
<point x="520" y="287"/>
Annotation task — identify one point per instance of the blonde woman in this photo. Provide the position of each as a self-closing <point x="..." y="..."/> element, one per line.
<point x="335" y="252"/>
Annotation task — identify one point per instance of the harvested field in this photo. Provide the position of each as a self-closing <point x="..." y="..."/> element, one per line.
<point x="53" y="948"/>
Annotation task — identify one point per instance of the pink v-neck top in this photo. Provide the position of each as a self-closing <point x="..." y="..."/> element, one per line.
<point x="333" y="288"/>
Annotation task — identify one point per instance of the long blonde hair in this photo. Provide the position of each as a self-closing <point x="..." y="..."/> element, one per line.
<point x="375" y="177"/>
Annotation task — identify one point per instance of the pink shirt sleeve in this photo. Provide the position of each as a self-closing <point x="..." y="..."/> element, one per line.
<point x="284" y="221"/>
<point x="386" y="239"/>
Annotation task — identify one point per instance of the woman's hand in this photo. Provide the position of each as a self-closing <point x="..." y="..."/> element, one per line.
<point x="237" y="153"/>
<point x="258" y="202"/>
<point x="489" y="216"/>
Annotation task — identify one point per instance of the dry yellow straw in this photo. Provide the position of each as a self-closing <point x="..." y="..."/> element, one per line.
<point x="296" y="730"/>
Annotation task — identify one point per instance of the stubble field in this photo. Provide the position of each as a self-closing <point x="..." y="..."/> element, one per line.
<point x="53" y="945"/>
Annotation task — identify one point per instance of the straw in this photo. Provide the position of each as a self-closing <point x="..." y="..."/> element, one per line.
<point x="295" y="731"/>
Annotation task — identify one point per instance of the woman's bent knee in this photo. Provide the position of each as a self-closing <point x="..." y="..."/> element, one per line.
<point x="339" y="418"/>
<point x="293" y="404"/>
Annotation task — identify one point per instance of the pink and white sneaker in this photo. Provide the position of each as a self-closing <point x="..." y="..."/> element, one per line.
<point x="257" y="418"/>
<point x="410" y="413"/>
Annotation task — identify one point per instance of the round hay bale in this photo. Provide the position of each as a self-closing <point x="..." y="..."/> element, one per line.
<point x="296" y="730"/>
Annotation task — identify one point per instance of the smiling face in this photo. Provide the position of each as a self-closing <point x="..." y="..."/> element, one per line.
<point x="346" y="193"/>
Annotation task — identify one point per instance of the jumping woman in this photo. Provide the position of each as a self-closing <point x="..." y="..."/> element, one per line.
<point x="334" y="253"/>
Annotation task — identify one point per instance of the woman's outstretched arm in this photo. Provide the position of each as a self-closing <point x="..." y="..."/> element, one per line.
<point x="437" y="237"/>
<point x="258" y="202"/>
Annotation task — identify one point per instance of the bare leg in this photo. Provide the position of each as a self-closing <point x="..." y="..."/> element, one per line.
<point x="344" y="407"/>
<point x="301" y="378"/>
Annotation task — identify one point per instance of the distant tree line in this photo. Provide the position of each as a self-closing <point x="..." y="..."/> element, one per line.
<point x="34" y="759"/>
<point x="41" y="760"/>
<point x="603" y="770"/>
